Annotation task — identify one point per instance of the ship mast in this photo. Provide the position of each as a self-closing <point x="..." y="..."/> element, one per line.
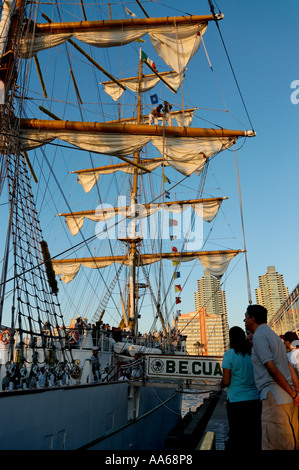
<point x="133" y="241"/>
<point x="33" y="131"/>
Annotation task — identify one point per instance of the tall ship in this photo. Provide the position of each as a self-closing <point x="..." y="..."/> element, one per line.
<point x="92" y="274"/>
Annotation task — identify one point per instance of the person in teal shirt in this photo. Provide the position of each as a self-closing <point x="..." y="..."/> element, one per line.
<point x="243" y="400"/>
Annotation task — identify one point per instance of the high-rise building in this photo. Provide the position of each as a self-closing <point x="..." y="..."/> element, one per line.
<point x="189" y="325"/>
<point x="210" y="297"/>
<point x="287" y="316"/>
<point x="207" y="327"/>
<point x="272" y="291"/>
<point x="205" y="333"/>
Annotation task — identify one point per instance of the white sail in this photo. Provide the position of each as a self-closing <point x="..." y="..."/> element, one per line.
<point x="215" y="262"/>
<point x="186" y="155"/>
<point x="206" y="209"/>
<point x="148" y="82"/>
<point x="89" y="178"/>
<point x="118" y="277"/>
<point x="176" y="45"/>
<point x="108" y="144"/>
<point x="8" y="7"/>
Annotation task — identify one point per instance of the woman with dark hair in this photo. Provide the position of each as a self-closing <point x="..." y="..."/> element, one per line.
<point x="243" y="401"/>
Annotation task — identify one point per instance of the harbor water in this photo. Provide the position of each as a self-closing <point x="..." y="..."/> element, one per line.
<point x="192" y="400"/>
<point x="217" y="423"/>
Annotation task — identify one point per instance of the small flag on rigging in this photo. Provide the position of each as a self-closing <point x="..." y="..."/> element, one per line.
<point x="154" y="99"/>
<point x="173" y="222"/>
<point x="129" y="12"/>
<point x="145" y="58"/>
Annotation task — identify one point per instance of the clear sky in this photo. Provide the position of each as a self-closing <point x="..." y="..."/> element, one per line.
<point x="261" y="39"/>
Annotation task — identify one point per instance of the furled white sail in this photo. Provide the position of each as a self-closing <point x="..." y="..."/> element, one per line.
<point x="176" y="45"/>
<point x="186" y="155"/>
<point x="215" y="262"/>
<point x="68" y="271"/>
<point x="206" y="209"/>
<point x="107" y="144"/>
<point x="148" y="82"/>
<point x="89" y="178"/>
<point x="184" y="119"/>
<point x="8" y="7"/>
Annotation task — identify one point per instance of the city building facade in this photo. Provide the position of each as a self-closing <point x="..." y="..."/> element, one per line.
<point x="211" y="297"/>
<point x="207" y="327"/>
<point x="272" y="292"/>
<point x="287" y="316"/>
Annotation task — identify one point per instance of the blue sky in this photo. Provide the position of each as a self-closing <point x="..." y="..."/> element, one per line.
<point x="261" y="39"/>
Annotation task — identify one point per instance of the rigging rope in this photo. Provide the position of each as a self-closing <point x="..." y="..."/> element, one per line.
<point x="230" y="63"/>
<point x="243" y="229"/>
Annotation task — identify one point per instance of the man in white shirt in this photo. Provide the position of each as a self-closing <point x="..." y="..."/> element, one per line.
<point x="292" y="344"/>
<point x="154" y="114"/>
<point x="276" y="381"/>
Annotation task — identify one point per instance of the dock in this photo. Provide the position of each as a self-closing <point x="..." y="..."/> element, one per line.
<point x="216" y="429"/>
<point x="204" y="429"/>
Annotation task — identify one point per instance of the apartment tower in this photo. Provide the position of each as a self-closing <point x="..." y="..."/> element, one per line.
<point x="272" y="291"/>
<point x="207" y="327"/>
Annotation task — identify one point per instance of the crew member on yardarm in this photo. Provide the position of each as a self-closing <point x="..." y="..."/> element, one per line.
<point x="154" y="114"/>
<point x="166" y="112"/>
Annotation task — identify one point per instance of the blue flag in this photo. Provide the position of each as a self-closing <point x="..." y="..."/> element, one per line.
<point x="154" y="99"/>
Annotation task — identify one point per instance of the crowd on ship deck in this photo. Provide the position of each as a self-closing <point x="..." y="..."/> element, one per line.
<point x="261" y="375"/>
<point x="174" y="339"/>
<point x="18" y="375"/>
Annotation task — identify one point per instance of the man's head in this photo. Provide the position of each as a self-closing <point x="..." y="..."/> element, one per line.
<point x="290" y="339"/>
<point x="255" y="315"/>
<point x="290" y="336"/>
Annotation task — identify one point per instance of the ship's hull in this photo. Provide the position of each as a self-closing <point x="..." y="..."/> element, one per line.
<point x="92" y="416"/>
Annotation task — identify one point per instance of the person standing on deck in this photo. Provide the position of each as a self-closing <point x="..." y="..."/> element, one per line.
<point x="276" y="381"/>
<point x="95" y="365"/>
